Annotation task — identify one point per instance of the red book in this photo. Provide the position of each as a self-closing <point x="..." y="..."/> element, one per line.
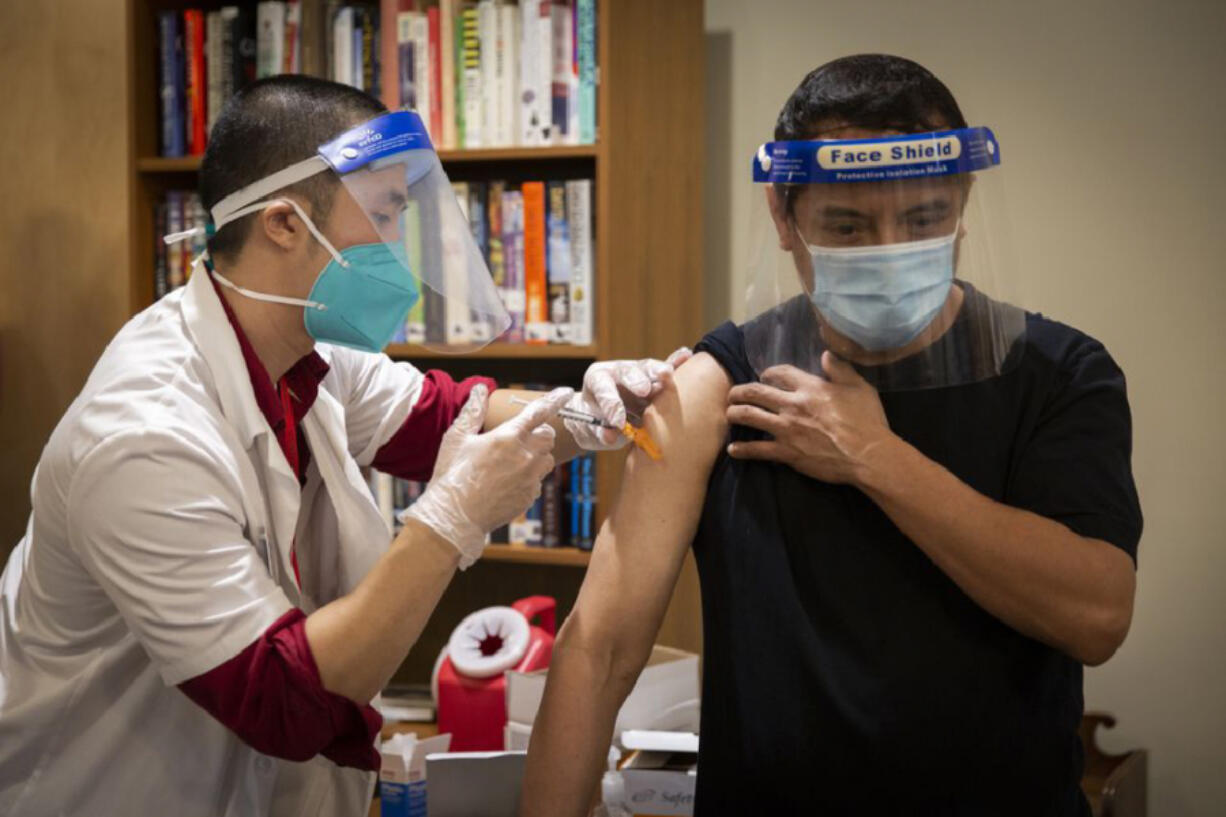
<point x="436" y="78"/>
<point x="536" y="321"/>
<point x="197" y="88"/>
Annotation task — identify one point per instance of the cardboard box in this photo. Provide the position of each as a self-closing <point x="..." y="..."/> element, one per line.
<point x="659" y="777"/>
<point x="665" y="696"/>
<point x="467" y="784"/>
<point x="402" y="774"/>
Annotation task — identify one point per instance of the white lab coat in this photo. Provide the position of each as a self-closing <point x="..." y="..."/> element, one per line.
<point x="158" y="548"/>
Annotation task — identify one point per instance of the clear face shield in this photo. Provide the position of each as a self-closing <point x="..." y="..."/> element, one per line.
<point x="412" y="242"/>
<point x="886" y="251"/>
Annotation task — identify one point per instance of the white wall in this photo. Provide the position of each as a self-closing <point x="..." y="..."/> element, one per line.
<point x="1112" y="121"/>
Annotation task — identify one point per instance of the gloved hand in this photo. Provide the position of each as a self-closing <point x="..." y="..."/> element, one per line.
<point x="483" y="481"/>
<point x="610" y="388"/>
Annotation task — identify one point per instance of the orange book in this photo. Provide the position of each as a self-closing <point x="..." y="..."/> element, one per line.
<point x="536" y="321"/>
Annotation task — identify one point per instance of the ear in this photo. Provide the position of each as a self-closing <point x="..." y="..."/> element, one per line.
<point x="783" y="224"/>
<point x="280" y="223"/>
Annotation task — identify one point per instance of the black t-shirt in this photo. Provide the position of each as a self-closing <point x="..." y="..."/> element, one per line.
<point x="844" y="673"/>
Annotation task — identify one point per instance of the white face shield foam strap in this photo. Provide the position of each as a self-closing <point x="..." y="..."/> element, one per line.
<point x="227" y="209"/>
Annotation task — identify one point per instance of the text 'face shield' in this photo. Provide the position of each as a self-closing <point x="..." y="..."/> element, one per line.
<point x="886" y="251"/>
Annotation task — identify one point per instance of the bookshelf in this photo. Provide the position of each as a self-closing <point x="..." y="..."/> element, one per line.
<point x="646" y="166"/>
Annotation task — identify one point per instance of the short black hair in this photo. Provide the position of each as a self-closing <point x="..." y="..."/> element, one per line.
<point x="267" y="126"/>
<point x="869" y="91"/>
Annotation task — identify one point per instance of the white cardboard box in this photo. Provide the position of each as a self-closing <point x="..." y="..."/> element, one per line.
<point x="665" y="696"/>
<point x="659" y="778"/>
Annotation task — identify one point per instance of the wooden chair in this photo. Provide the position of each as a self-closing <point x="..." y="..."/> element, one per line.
<point x="1114" y="784"/>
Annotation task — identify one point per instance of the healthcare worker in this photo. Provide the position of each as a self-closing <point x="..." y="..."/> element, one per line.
<point x="910" y="500"/>
<point x="206" y="598"/>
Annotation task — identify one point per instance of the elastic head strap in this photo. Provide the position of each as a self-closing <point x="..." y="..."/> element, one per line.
<point x="228" y="208"/>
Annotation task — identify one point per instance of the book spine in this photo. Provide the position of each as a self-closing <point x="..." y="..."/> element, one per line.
<point x="459" y="320"/>
<point x="174" y="224"/>
<point x="415" y="328"/>
<point x="171" y="108"/>
<point x="470" y="39"/>
<point x="551" y="507"/>
<point x="197" y="79"/>
<point x="587" y="505"/>
<point x="342" y="46"/>
<point x="478" y="197"/>
<point x="419" y="32"/>
<point x="160" y="283"/>
<point x="536" y="320"/>
<point x="270" y="38"/>
<point x="582" y="289"/>
<point x="293" y="38"/>
<point x="403" y="94"/>
<point x="494" y="252"/>
<point x="558" y="264"/>
<point x="487" y="91"/>
<point x="560" y="70"/>
<point x="447" y="21"/>
<point x="226" y="67"/>
<point x="245" y="47"/>
<point x="370" y="59"/>
<point x="509" y="19"/>
<point x="513" y="260"/>
<point x="585" y="28"/>
<point x="391" y="68"/>
<point x="197" y="219"/>
<point x="312" y="54"/>
<point x="435" y="56"/>
<point x="212" y="69"/>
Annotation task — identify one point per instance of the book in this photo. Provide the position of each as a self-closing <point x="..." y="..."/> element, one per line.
<point x="585" y="56"/>
<point x="558" y="263"/>
<point x="487" y="39"/>
<point x="243" y="37"/>
<point x="226" y="66"/>
<point x="342" y="46"/>
<point x="435" y="57"/>
<point x="213" y="62"/>
<point x="447" y="70"/>
<point x="403" y="94"/>
<point x="415" y="323"/>
<point x="536" y="318"/>
<point x="493" y="236"/>
<point x="513" y="296"/>
<point x="536" y="66"/>
<point x="161" y="284"/>
<point x="196" y="84"/>
<point x="579" y="222"/>
<point x="270" y="38"/>
<point x="312" y="51"/>
<point x="369" y="65"/>
<point x="587" y="502"/>
<point x="170" y="83"/>
<point x="552" y="490"/>
<point x="506" y="75"/>
<point x="419" y="33"/>
<point x="471" y="130"/>
<point x="293" y="38"/>
<point x="561" y="70"/>
<point x="478" y="219"/>
<point x="389" y="43"/>
<point x="455" y="265"/>
<point x="176" y="274"/>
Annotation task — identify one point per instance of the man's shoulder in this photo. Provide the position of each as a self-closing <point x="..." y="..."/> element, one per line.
<point x="1063" y="348"/>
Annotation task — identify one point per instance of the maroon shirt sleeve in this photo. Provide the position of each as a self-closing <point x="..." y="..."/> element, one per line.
<point x="270" y="695"/>
<point x="411" y="451"/>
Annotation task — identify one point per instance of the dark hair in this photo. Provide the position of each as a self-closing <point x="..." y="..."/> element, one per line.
<point x="872" y="91"/>
<point x="270" y="125"/>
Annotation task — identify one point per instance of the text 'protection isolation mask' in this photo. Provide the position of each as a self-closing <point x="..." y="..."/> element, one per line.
<point x="887" y="251"/>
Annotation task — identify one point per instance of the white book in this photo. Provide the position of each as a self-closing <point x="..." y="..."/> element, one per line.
<point x="455" y="274"/>
<point x="293" y="35"/>
<point x="487" y="33"/>
<point x="406" y="62"/>
<point x="474" y="122"/>
<point x="579" y="217"/>
<point x="213" y="67"/>
<point x="419" y="32"/>
<point x="508" y="82"/>
<point x="342" y="46"/>
<point x="561" y="68"/>
<point x="536" y="66"/>
<point x="447" y="60"/>
<point x="270" y="38"/>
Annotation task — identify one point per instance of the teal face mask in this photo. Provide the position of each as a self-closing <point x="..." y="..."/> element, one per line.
<point x="361" y="296"/>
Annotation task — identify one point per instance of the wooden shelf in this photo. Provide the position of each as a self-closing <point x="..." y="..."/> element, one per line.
<point x="190" y="164"/>
<point x="564" y="556"/>
<point x="496" y="351"/>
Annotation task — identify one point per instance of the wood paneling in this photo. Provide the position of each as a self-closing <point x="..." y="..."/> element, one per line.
<point x="64" y="240"/>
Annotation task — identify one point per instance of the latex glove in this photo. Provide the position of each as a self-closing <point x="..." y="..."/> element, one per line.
<point x="611" y="387"/>
<point x="483" y="481"/>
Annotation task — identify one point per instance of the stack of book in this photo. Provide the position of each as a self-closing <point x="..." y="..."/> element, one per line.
<point x="172" y="265"/>
<point x="482" y="73"/>
<point x="562" y="516"/>
<point x="537" y="241"/>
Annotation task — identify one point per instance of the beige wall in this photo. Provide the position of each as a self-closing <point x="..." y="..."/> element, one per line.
<point x="63" y="220"/>
<point x="1112" y="118"/>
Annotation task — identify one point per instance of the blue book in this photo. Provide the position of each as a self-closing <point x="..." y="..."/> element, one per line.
<point x="585" y="56"/>
<point x="586" y="534"/>
<point x="171" y="87"/>
<point x="575" y="500"/>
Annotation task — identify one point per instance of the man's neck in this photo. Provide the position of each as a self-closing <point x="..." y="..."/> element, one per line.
<point x="275" y="331"/>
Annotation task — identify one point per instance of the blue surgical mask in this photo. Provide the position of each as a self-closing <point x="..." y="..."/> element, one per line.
<point x="361" y="296"/>
<point x="882" y="297"/>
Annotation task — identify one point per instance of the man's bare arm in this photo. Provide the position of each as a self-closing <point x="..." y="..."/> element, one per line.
<point x="638" y="554"/>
